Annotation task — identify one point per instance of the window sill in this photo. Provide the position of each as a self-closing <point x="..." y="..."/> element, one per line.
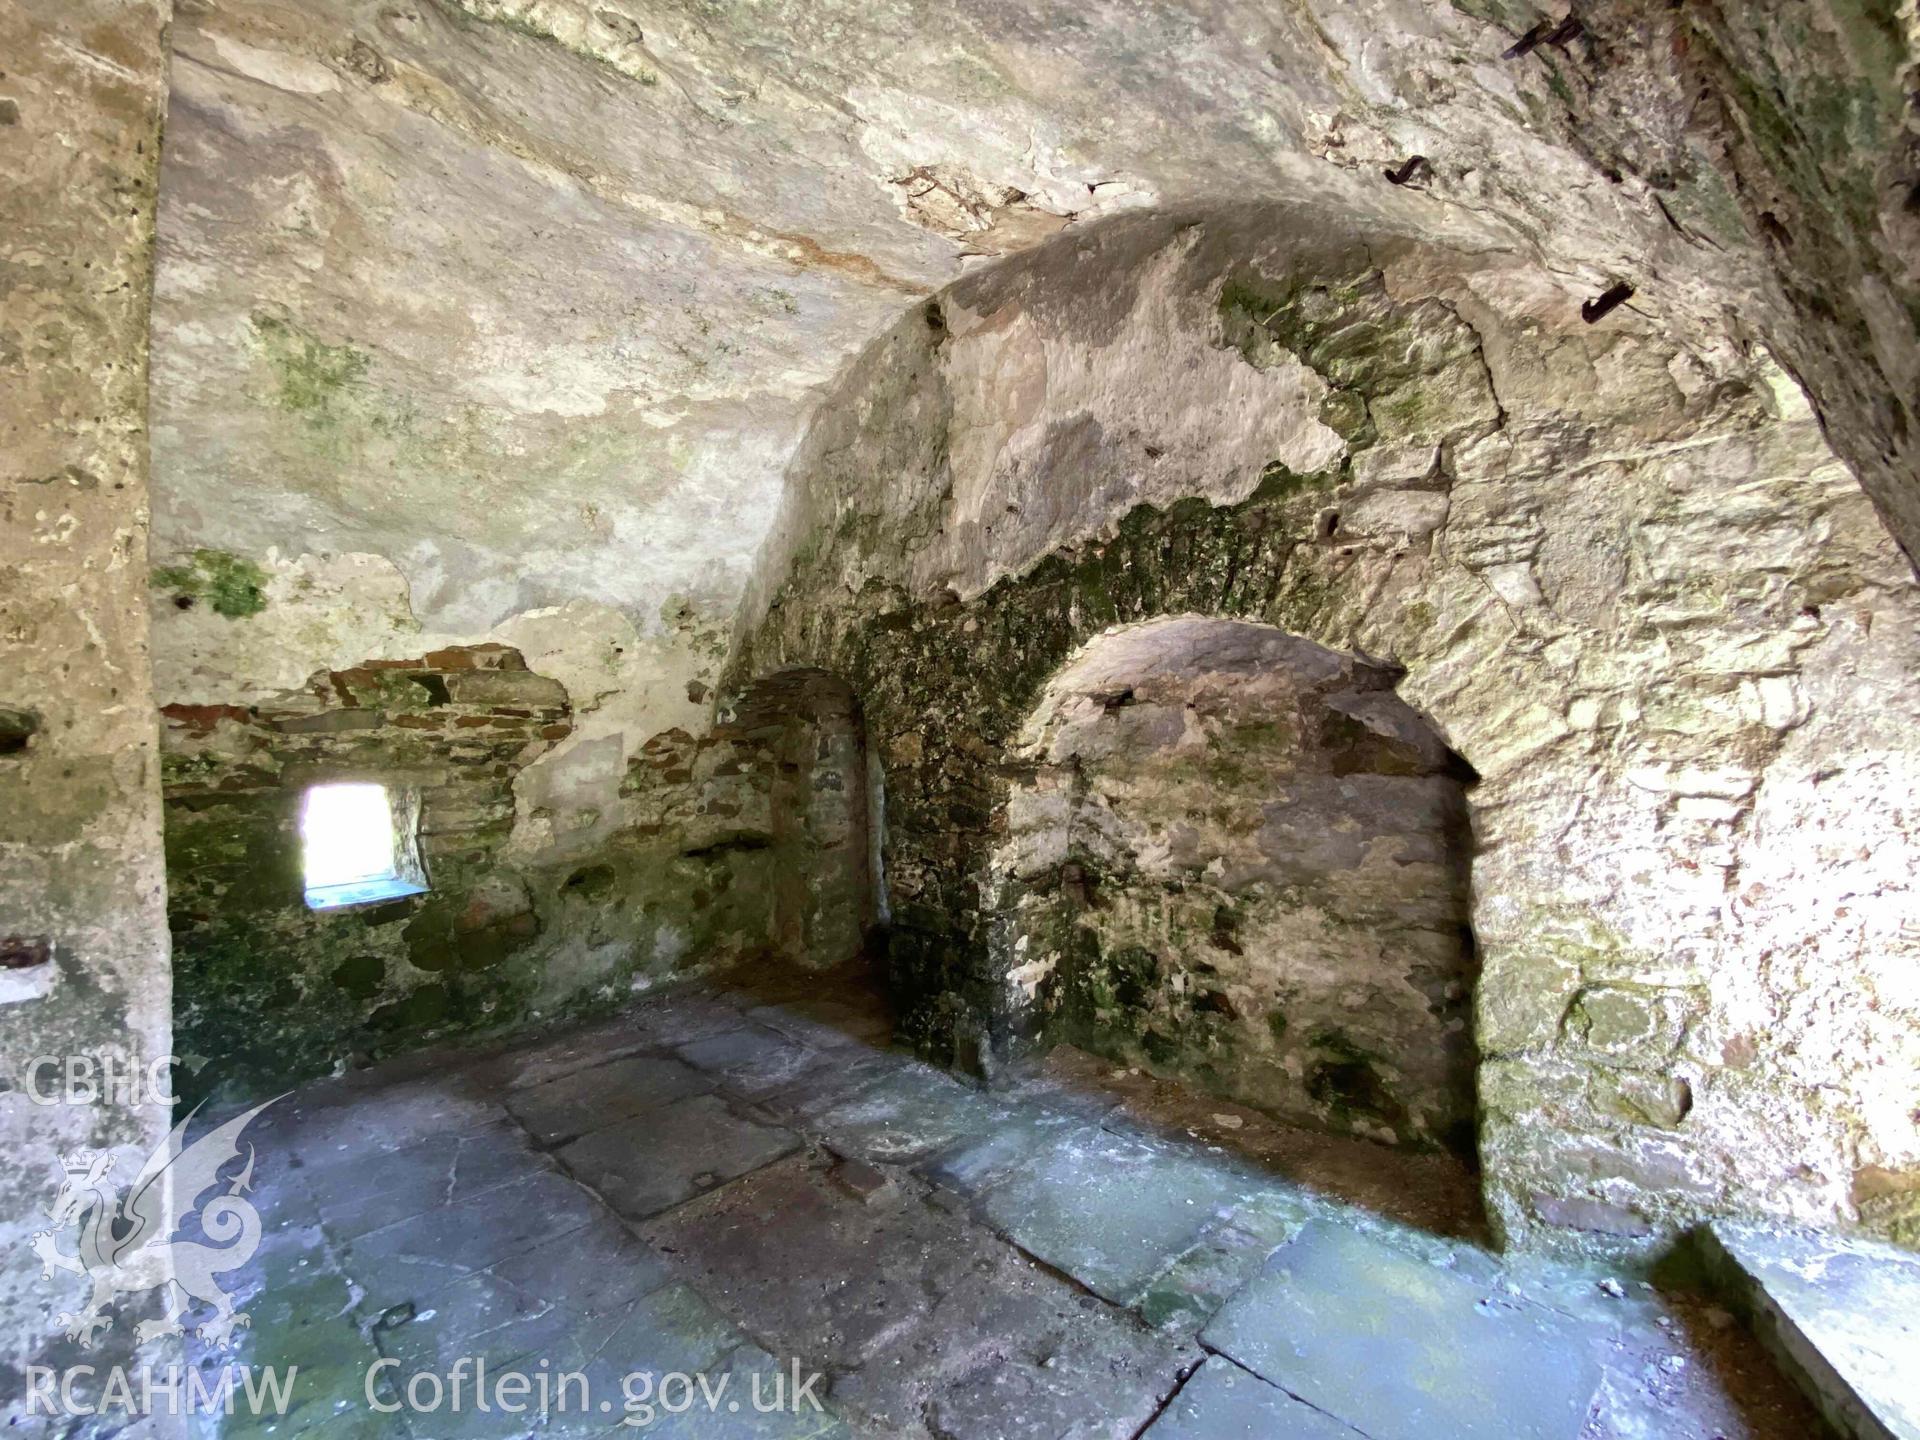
<point x="361" y="892"/>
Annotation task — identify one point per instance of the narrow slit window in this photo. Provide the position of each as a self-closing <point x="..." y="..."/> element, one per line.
<point x="357" y="845"/>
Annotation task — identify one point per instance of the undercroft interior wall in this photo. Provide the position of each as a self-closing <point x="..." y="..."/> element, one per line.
<point x="1240" y="859"/>
<point x="446" y="358"/>
<point x="748" y="842"/>
<point x="1627" y="579"/>
<point x="83" y="948"/>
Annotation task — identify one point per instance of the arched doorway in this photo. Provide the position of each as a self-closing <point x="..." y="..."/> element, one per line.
<point x="807" y="727"/>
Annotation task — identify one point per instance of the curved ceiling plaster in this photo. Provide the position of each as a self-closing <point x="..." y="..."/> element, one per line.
<point x="482" y="319"/>
<point x="534" y="299"/>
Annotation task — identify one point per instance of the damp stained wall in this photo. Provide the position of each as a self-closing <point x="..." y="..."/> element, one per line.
<point x="1241" y="860"/>
<point x="271" y="991"/>
<point x="522" y="380"/>
<point x="1627" y="579"/>
<point x="83" y="941"/>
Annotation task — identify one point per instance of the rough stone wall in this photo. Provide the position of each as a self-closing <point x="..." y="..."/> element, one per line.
<point x="1629" y="583"/>
<point x="270" y="991"/>
<point x="806" y="728"/>
<point x="1241" y="860"/>
<point x="1790" y="130"/>
<point x="83" y="950"/>
<point x="497" y="320"/>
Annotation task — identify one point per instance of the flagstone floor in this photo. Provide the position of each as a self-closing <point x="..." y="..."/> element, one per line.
<point x="747" y="1182"/>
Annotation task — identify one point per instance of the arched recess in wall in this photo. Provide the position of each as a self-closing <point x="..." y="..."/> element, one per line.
<point x="1238" y="858"/>
<point x="1626" y="578"/>
<point x="806" y="726"/>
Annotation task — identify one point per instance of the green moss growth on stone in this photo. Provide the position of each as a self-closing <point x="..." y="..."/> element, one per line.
<point x="310" y="376"/>
<point x="232" y="584"/>
<point x="1277" y="482"/>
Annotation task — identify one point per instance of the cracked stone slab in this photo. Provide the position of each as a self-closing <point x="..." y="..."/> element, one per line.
<point x="301" y="1324"/>
<point x="1405" y="1350"/>
<point x="752" y="1061"/>
<point x="361" y="1115"/>
<point x="528" y="1302"/>
<point x="869" y="1268"/>
<point x="976" y="1163"/>
<point x="1071" y="1382"/>
<point x="1189" y="1292"/>
<point x="355" y="1198"/>
<point x="657" y="1160"/>
<point x="572" y="1049"/>
<point x="915" y="1307"/>
<point x="418" y="1256"/>
<point x="1841" y="1315"/>
<point x="820" y="1087"/>
<point x="1220" y="1401"/>
<point x="670" y="1330"/>
<point x="1111" y="1210"/>
<point x="667" y="1329"/>
<point x="905" y="1116"/>
<point x="589" y="1100"/>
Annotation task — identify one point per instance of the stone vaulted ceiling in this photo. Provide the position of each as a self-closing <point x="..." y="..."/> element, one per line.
<point x="531" y="299"/>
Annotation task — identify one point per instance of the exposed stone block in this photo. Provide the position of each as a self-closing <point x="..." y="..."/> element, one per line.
<point x="505" y="687"/>
<point x="1578" y="1212"/>
<point x="332" y="722"/>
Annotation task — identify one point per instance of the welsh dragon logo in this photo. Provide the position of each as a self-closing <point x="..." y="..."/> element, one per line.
<point x="128" y="1244"/>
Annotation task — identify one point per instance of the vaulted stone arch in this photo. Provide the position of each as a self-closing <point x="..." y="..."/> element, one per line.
<point x="1235" y="857"/>
<point x="1626" y="579"/>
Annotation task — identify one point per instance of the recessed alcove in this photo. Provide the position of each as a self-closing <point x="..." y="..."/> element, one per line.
<point x="1243" y="861"/>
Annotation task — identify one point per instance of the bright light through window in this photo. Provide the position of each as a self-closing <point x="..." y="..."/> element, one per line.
<point x="350" y="850"/>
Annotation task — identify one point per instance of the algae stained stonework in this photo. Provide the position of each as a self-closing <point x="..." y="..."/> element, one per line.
<point x="1625" y="578"/>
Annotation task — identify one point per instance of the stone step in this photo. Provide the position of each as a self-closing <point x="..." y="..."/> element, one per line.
<point x="1842" y="1316"/>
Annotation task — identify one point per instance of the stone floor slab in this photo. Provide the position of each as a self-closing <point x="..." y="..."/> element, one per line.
<point x="657" y="1160"/>
<point x="1062" y="1370"/>
<point x="359" y="1198"/>
<point x="602" y="1095"/>
<point x="1842" y="1315"/>
<point x="752" y="1061"/>
<point x="1406" y="1350"/>
<point x="1220" y="1401"/>
<point x="827" y="1023"/>
<point x="529" y="1303"/>
<point x="823" y="1274"/>
<point x="304" y="1329"/>
<point x="906" y="1116"/>
<point x="358" y="1115"/>
<point x="1187" y="1294"/>
<point x="915" y="1307"/>
<point x="1111" y="1211"/>
<point x="907" y="1284"/>
<point x="413" y="1259"/>
<point x="976" y="1163"/>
